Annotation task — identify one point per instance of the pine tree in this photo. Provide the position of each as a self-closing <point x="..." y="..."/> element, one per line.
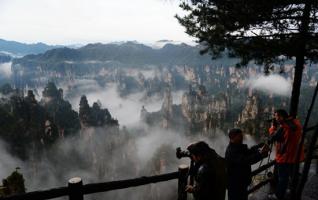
<point x="13" y="184"/>
<point x="264" y="31"/>
<point x="51" y="91"/>
<point x="84" y="110"/>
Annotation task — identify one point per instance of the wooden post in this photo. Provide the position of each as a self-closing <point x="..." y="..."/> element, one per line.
<point x="75" y="186"/>
<point x="317" y="166"/>
<point x="182" y="182"/>
<point x="308" y="160"/>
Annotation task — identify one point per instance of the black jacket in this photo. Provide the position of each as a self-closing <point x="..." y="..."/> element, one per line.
<point x="239" y="159"/>
<point x="210" y="178"/>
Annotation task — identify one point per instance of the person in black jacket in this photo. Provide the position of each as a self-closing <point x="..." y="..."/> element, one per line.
<point x="209" y="173"/>
<point x="239" y="160"/>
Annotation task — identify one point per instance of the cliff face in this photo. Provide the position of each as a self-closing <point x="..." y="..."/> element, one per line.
<point x="60" y="110"/>
<point x="167" y="109"/>
<point x="252" y="119"/>
<point x="204" y="112"/>
<point x="94" y="116"/>
<point x="198" y="112"/>
<point x="96" y="59"/>
<point x="25" y="124"/>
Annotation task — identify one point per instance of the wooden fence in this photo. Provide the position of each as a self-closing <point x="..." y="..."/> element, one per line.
<point x="76" y="190"/>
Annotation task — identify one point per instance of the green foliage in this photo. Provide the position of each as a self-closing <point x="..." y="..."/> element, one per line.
<point x="26" y="125"/>
<point x="95" y="115"/>
<point x="51" y="91"/>
<point x="29" y="127"/>
<point x="13" y="184"/>
<point x="266" y="31"/>
<point x="61" y="112"/>
<point x="262" y="30"/>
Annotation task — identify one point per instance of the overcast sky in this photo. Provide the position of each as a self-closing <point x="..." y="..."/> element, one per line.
<point x="85" y="21"/>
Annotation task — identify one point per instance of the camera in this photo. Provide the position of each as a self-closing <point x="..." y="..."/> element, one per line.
<point x="273" y="121"/>
<point x="182" y="153"/>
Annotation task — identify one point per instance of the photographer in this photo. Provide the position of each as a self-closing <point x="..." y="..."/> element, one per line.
<point x="286" y="133"/>
<point x="239" y="160"/>
<point x="209" y="173"/>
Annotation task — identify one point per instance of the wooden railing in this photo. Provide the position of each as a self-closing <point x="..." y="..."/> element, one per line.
<point x="76" y="190"/>
<point x="264" y="182"/>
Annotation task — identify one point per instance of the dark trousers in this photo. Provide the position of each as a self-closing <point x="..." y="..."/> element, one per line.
<point x="282" y="174"/>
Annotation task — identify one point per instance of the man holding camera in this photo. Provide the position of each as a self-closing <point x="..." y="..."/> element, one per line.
<point x="239" y="160"/>
<point x="209" y="173"/>
<point x="286" y="133"/>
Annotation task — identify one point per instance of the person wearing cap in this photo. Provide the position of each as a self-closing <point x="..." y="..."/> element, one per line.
<point x="209" y="174"/>
<point x="286" y="133"/>
<point x="239" y="159"/>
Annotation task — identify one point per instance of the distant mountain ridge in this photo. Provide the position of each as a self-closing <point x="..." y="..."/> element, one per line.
<point x="97" y="60"/>
<point x="21" y="49"/>
<point x="125" y="54"/>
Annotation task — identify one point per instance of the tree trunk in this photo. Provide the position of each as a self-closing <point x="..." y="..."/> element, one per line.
<point x="295" y="175"/>
<point x="300" y="58"/>
<point x="296" y="188"/>
<point x="300" y="61"/>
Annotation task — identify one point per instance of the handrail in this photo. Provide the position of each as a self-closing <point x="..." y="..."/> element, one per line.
<point x="259" y="170"/>
<point x="95" y="187"/>
<point x="263" y="168"/>
<point x="258" y="186"/>
<point x="115" y="185"/>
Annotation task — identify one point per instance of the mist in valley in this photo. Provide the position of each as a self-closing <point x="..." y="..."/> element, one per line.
<point x="107" y="90"/>
<point x="125" y="109"/>
<point x="183" y="104"/>
<point x="100" y="154"/>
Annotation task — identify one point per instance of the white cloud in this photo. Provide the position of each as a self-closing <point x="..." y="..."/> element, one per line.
<point x="81" y="21"/>
<point x="126" y="110"/>
<point x="272" y="84"/>
<point x="5" y="70"/>
<point x="8" y="163"/>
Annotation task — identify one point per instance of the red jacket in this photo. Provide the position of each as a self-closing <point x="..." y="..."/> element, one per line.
<point x="286" y="147"/>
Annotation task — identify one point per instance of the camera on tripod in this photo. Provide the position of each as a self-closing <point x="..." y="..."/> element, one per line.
<point x="182" y="153"/>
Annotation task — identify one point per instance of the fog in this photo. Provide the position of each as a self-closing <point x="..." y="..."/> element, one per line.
<point x="8" y="162"/>
<point x="148" y="74"/>
<point x="125" y="109"/>
<point x="5" y="70"/>
<point x="272" y="84"/>
<point x="105" y="154"/>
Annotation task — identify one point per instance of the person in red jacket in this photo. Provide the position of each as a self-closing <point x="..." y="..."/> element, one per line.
<point x="286" y="132"/>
